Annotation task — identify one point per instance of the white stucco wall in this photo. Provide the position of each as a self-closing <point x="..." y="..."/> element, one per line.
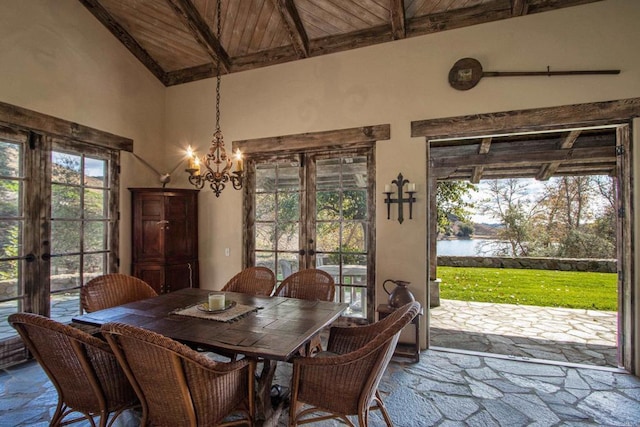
<point x="56" y="58"/>
<point x="397" y="83"/>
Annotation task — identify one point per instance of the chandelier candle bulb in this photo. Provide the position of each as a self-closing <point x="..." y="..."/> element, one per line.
<point x="240" y="162"/>
<point x="216" y="301"/>
<point x="387" y="188"/>
<point x="196" y="166"/>
<point x="411" y="187"/>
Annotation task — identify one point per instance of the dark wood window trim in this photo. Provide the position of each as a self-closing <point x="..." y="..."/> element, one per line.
<point x="30" y="120"/>
<point x="360" y="140"/>
<point x="315" y="141"/>
<point x="533" y="120"/>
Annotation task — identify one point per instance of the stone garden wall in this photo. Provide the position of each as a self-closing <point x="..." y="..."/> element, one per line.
<point x="562" y="264"/>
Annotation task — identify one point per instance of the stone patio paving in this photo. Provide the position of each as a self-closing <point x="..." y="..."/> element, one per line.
<point x="557" y="334"/>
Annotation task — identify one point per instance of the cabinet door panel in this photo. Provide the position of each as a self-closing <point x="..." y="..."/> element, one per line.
<point x="152" y="274"/>
<point x="180" y="230"/>
<point x="181" y="276"/>
<point x="148" y="240"/>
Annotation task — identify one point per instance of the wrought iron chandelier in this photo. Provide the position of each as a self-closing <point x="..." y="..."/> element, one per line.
<point x="214" y="167"/>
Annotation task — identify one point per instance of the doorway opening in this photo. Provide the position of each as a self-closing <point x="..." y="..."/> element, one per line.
<point x="588" y="139"/>
<point x="537" y="277"/>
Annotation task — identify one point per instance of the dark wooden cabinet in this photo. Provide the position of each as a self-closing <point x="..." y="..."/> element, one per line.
<point x="165" y="237"/>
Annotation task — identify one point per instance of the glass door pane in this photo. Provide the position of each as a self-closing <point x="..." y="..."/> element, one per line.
<point x="12" y="223"/>
<point x="79" y="227"/>
<point x="14" y="248"/>
<point x="278" y="216"/>
<point x="342" y="227"/>
<point x="315" y="213"/>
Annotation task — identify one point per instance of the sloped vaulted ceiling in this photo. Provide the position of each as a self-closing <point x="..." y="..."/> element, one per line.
<point x="176" y="39"/>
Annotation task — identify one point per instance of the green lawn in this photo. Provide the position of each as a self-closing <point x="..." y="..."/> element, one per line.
<point x="544" y="288"/>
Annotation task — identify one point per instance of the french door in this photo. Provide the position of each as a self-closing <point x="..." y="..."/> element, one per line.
<point x="316" y="210"/>
<point x="58" y="207"/>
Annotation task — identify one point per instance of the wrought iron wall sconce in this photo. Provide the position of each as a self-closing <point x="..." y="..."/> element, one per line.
<point x="400" y="200"/>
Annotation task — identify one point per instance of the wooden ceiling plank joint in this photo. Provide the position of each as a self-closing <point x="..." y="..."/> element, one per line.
<point x="398" y="19"/>
<point x="295" y="28"/>
<point x="201" y="31"/>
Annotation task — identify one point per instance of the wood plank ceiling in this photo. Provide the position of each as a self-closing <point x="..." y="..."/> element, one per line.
<point x="176" y="39"/>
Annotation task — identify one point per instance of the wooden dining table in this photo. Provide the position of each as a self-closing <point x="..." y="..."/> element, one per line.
<point x="275" y="328"/>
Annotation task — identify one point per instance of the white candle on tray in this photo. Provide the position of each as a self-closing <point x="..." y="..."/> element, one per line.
<point x="216" y="301"/>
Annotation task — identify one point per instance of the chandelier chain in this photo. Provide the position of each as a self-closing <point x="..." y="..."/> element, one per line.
<point x="218" y="77"/>
<point x="214" y="168"/>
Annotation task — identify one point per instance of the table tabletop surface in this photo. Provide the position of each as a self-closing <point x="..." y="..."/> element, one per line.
<point x="275" y="331"/>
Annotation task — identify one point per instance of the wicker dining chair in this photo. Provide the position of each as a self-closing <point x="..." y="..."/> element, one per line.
<point x="110" y="290"/>
<point x="258" y="281"/>
<point x="179" y="386"/>
<point x="83" y="369"/>
<point x="309" y="284"/>
<point x="343" y="381"/>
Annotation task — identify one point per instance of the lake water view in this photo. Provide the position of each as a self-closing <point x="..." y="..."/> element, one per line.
<point x="469" y="247"/>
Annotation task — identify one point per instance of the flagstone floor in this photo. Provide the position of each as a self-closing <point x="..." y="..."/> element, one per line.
<point x="489" y="365"/>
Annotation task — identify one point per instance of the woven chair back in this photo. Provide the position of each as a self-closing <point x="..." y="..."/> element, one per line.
<point x="310" y="284"/>
<point x="111" y="290"/>
<point x="346" y="382"/>
<point x="83" y="369"/>
<point x="258" y="281"/>
<point x="177" y="385"/>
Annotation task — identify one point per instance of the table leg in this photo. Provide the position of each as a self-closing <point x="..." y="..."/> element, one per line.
<point x="266" y="414"/>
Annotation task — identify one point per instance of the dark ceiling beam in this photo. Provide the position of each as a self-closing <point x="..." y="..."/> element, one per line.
<point x="398" y="27"/>
<point x="459" y="18"/>
<point x="354" y="40"/>
<point x="125" y="38"/>
<point x="548" y="169"/>
<point x="191" y="74"/>
<point x="297" y="33"/>
<point x="537" y="6"/>
<point x="519" y="7"/>
<point x="200" y="30"/>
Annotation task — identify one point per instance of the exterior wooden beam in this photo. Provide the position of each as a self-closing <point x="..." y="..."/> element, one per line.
<point x="548" y="169"/>
<point x="592" y="154"/>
